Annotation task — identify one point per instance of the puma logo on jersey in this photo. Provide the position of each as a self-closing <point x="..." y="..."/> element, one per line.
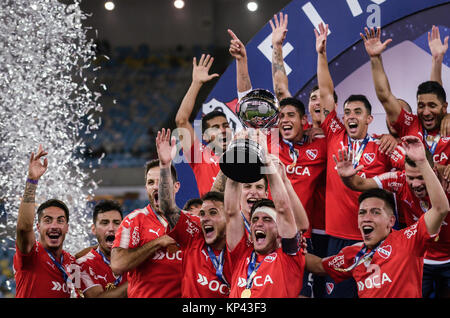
<point x="152" y="231"/>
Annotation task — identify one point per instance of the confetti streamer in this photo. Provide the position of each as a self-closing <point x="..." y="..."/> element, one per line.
<point x="45" y="98"/>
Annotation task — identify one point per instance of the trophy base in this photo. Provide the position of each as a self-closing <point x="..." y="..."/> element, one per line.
<point x="243" y="160"/>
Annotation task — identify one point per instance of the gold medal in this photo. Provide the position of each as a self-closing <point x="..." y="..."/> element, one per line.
<point x="110" y="286"/>
<point x="246" y="293"/>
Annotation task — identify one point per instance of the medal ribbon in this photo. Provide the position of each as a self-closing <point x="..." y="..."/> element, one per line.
<point x="252" y="269"/>
<point x="357" y="153"/>
<point x="246" y="223"/>
<point x="160" y="218"/>
<point x="66" y="277"/>
<point x="433" y="146"/>
<point x="361" y="257"/>
<point x="217" y="263"/>
<point x="292" y="151"/>
<point x="108" y="262"/>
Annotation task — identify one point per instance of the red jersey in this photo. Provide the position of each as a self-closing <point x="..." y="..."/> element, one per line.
<point x="204" y="164"/>
<point x="37" y="276"/>
<point x="96" y="271"/>
<point x="409" y="124"/>
<point x="279" y="276"/>
<point x="342" y="203"/>
<point x="159" y="276"/>
<point x="438" y="250"/>
<point x="199" y="274"/>
<point x="394" y="269"/>
<point x="305" y="170"/>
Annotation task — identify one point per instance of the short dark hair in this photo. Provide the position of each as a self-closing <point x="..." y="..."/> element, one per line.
<point x="360" y="98"/>
<point x="293" y="102"/>
<point x="213" y="196"/>
<point x="262" y="202"/>
<point x="428" y="155"/>
<point x="316" y="87"/>
<point x="211" y="115"/>
<point x="53" y="202"/>
<point x="155" y="163"/>
<point x="432" y="87"/>
<point x="382" y="194"/>
<point x="192" y="202"/>
<point x="105" y="206"/>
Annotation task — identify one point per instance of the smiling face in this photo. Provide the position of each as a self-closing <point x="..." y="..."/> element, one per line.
<point x="264" y="232"/>
<point x="314" y="106"/>
<point x="291" y="123"/>
<point x="356" y="119"/>
<point x="375" y="221"/>
<point x="415" y="181"/>
<point x="218" y="133"/>
<point x="430" y="111"/>
<point x="152" y="184"/>
<point x="105" y="228"/>
<point x="52" y="227"/>
<point x="213" y="222"/>
<point x="252" y="192"/>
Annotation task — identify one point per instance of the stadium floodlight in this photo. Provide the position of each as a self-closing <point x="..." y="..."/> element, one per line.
<point x="252" y="6"/>
<point x="179" y="4"/>
<point x="109" y="5"/>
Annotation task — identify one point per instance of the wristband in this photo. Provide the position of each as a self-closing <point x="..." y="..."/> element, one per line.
<point x="32" y="181"/>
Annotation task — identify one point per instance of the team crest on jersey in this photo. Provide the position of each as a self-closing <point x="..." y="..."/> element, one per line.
<point x="329" y="287"/>
<point x="312" y="153"/>
<point x="445" y="139"/>
<point x="369" y="157"/>
<point x="385" y="251"/>
<point x="270" y="258"/>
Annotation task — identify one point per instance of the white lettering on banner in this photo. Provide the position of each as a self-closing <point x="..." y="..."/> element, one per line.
<point x="266" y="48"/>
<point x="60" y="287"/>
<point x="298" y="170"/>
<point x="355" y="7"/>
<point x="313" y="16"/>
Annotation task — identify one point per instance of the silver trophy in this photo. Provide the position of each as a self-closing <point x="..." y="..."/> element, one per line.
<point x="244" y="158"/>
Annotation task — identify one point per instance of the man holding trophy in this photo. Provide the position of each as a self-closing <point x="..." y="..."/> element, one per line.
<point x="273" y="245"/>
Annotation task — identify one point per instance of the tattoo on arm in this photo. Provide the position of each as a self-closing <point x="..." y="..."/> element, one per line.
<point x="277" y="62"/>
<point x="30" y="193"/>
<point x="166" y="197"/>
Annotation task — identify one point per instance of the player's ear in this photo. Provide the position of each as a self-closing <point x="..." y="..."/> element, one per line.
<point x="369" y="119"/>
<point x="176" y="186"/>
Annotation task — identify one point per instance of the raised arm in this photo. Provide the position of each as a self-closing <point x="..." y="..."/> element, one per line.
<point x="348" y="172"/>
<point x="279" y="77"/>
<point x="324" y="80"/>
<point x="166" y="148"/>
<point x="434" y="217"/>
<point x="199" y="77"/>
<point x="25" y="238"/>
<point x="287" y="227"/>
<point x="300" y="215"/>
<point x="235" y="223"/>
<point x="438" y="50"/>
<point x="238" y="51"/>
<point x="374" y="48"/>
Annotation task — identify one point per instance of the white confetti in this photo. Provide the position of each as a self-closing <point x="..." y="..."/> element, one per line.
<point x="45" y="99"/>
